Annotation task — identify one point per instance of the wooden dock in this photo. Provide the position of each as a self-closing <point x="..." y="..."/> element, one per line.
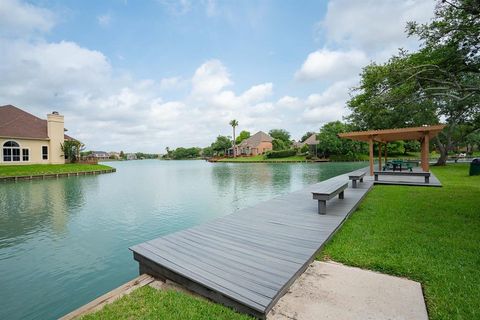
<point x="248" y="260"/>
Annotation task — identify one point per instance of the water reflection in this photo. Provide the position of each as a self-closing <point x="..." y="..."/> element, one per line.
<point x="28" y="207"/>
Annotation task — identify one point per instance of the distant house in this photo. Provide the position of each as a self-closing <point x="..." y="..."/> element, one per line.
<point x="131" y="156"/>
<point x="99" y="155"/>
<point x="257" y="144"/>
<point x="311" y="142"/>
<point x="114" y="155"/>
<point x="27" y="139"/>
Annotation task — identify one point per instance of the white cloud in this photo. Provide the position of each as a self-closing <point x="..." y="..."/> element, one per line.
<point x="331" y="65"/>
<point x="210" y="78"/>
<point x="330" y="105"/>
<point x="289" y="102"/>
<point x="372" y="25"/>
<point x="104" y="20"/>
<point x="20" y="18"/>
<point x="258" y="93"/>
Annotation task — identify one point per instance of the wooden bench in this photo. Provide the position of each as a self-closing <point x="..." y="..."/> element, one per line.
<point x="326" y="191"/>
<point x="356" y="175"/>
<point x="426" y="175"/>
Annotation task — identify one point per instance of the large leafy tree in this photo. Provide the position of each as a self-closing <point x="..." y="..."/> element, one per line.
<point x="221" y="145"/>
<point x="439" y="82"/>
<point x="281" y="139"/>
<point x="242" y="136"/>
<point x="330" y="144"/>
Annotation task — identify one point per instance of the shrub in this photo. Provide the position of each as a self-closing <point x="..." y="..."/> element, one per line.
<point x="280" y="154"/>
<point x="305" y="148"/>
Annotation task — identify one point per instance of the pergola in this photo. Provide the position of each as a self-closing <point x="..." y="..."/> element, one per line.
<point x="382" y="137"/>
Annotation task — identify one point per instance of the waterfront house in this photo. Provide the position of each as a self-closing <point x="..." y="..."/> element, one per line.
<point x="114" y="155"/>
<point x="100" y="155"/>
<point x="311" y="142"/>
<point x="257" y="144"/>
<point x="27" y="139"/>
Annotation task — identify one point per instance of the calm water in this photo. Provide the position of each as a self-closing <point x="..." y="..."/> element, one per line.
<point x="64" y="242"/>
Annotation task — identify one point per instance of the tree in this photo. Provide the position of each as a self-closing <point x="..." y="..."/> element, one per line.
<point x="208" y="152"/>
<point x="221" y="145"/>
<point x="242" y="136"/>
<point x="71" y="150"/>
<point x="306" y="136"/>
<point x="186" y="153"/>
<point x="440" y="81"/>
<point x="234" y="123"/>
<point x="122" y="155"/>
<point x="281" y="139"/>
<point x="331" y="144"/>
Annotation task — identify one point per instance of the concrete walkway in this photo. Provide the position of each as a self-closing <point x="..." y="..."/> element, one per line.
<point x="329" y="290"/>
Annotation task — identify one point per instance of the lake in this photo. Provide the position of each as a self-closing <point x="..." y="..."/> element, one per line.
<point x="63" y="242"/>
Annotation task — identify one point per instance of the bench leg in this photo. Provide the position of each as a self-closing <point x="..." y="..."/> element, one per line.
<point x="427" y="179"/>
<point x="322" y="207"/>
<point x="354" y="184"/>
<point x="341" y="195"/>
<point x="376" y="177"/>
<point x="361" y="179"/>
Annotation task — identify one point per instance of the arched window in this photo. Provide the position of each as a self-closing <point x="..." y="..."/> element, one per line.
<point x="11" y="151"/>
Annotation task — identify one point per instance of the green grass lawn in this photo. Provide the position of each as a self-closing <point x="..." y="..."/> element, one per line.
<point x="149" y="303"/>
<point x="260" y="158"/>
<point x="36" y="169"/>
<point x="431" y="235"/>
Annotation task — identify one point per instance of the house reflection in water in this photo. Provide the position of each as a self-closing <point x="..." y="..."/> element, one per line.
<point x="29" y="207"/>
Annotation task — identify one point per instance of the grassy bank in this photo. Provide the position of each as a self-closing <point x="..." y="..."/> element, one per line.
<point x="149" y="303"/>
<point x="431" y="235"/>
<point x="260" y="158"/>
<point x="39" y="169"/>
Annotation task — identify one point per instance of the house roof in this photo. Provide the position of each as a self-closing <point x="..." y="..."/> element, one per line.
<point x="256" y="139"/>
<point x="312" y="140"/>
<point x="16" y="123"/>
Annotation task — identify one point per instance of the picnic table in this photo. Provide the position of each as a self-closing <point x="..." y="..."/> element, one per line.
<point x="397" y="165"/>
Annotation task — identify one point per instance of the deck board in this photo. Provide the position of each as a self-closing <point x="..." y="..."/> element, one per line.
<point x="247" y="260"/>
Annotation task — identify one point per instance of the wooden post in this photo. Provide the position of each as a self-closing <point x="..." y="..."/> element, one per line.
<point x="371" y="155"/>
<point x="425" y="152"/>
<point x="379" y="156"/>
<point x="386" y="153"/>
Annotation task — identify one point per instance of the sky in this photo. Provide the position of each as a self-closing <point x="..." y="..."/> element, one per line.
<point x="146" y="75"/>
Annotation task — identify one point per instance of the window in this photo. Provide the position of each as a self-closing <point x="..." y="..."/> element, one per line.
<point x="25" y="155"/>
<point x="11" y="151"/>
<point x="44" y="152"/>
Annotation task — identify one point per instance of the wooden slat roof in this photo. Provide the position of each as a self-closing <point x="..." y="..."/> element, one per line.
<point x="387" y="135"/>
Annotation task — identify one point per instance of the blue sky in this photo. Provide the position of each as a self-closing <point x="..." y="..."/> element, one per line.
<point x="143" y="75"/>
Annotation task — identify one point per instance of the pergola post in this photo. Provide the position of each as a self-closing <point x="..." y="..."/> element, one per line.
<point x="425" y="152"/>
<point x="379" y="156"/>
<point x="386" y="152"/>
<point x="371" y="155"/>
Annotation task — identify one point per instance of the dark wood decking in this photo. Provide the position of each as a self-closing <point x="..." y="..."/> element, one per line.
<point x="249" y="259"/>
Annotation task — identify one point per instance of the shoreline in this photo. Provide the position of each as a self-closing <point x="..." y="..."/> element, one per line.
<point x="55" y="175"/>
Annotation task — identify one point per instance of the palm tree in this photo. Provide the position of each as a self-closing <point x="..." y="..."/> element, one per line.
<point x="234" y="123"/>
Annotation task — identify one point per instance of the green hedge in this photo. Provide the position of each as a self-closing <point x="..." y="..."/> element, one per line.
<point x="280" y="154"/>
